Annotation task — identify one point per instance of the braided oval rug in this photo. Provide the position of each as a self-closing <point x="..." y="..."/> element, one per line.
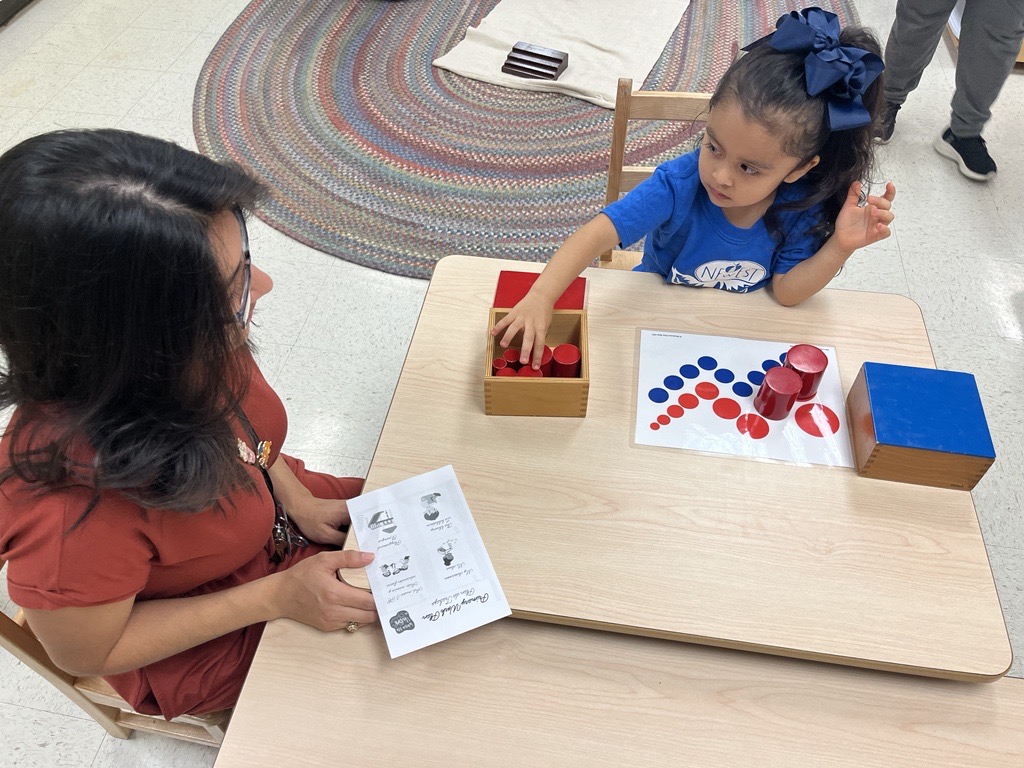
<point x="375" y="156"/>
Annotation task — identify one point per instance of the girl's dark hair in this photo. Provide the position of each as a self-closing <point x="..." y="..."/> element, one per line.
<point x="116" y="320"/>
<point x="770" y="87"/>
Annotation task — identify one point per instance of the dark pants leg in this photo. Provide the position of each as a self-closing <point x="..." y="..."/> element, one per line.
<point x="990" y="38"/>
<point x="915" y="34"/>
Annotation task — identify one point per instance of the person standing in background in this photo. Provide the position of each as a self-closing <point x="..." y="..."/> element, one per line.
<point x="990" y="38"/>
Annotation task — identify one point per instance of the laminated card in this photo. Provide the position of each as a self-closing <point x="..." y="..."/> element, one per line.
<point x="431" y="577"/>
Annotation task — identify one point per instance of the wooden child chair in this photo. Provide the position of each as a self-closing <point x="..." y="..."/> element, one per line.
<point x="641" y="105"/>
<point x="95" y="696"/>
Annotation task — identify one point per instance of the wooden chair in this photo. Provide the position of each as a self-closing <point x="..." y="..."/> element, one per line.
<point x="641" y="105"/>
<point x="95" y="696"/>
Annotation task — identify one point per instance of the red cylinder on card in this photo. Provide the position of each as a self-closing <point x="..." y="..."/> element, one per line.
<point x="565" y="361"/>
<point x="505" y="372"/>
<point x="545" y="361"/>
<point x="511" y="357"/>
<point x="528" y="371"/>
<point x="498" y="364"/>
<point x="778" y="392"/>
<point x="809" y="363"/>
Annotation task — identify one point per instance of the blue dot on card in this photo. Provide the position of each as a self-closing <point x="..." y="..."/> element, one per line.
<point x="708" y="363"/>
<point x="767" y="365"/>
<point x="658" y="395"/>
<point x="782" y="358"/>
<point x="755" y="378"/>
<point x="742" y="389"/>
<point x="690" y="371"/>
<point x="724" y="375"/>
<point x="673" y="382"/>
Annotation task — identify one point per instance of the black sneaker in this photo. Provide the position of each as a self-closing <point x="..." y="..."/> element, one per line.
<point x="886" y="123"/>
<point x="970" y="154"/>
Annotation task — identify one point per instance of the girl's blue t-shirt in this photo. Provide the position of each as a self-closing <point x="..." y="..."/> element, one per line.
<point x="690" y="242"/>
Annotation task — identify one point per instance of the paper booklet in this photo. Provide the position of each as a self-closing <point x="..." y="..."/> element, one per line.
<point x="431" y="577"/>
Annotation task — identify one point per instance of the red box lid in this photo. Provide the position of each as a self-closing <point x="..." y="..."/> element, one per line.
<point x="513" y="286"/>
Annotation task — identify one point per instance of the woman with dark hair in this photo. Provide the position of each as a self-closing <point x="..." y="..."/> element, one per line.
<point x="149" y="522"/>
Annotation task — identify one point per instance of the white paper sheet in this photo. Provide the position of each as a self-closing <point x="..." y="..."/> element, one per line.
<point x="696" y="392"/>
<point x="431" y="577"/>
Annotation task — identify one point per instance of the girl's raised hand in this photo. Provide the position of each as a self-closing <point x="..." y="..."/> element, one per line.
<point x="532" y="315"/>
<point x="858" y="226"/>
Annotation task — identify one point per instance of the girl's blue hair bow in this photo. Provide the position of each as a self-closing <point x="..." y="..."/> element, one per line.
<point x="840" y="73"/>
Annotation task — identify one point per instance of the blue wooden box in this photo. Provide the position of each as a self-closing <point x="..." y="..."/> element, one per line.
<point x="919" y="425"/>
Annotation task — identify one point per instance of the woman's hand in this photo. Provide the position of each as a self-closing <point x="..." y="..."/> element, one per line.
<point x="319" y="519"/>
<point x="117" y="637"/>
<point x="312" y="592"/>
<point x="858" y="226"/>
<point x="532" y="317"/>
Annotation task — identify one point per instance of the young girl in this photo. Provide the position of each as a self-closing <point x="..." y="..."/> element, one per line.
<point x="771" y="195"/>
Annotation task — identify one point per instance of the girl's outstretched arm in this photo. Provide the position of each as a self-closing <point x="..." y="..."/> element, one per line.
<point x="856" y="227"/>
<point x="532" y="315"/>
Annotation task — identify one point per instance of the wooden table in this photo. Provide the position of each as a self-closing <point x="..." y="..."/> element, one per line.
<point x="584" y="529"/>
<point x="518" y="693"/>
<point x="870" y="574"/>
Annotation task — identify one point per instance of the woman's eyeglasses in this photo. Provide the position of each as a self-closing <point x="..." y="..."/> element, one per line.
<point x="242" y="315"/>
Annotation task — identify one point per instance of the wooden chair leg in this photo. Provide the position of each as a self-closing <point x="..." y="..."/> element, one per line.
<point x="217" y="731"/>
<point x="619" y="125"/>
<point x="30" y="653"/>
<point x="206" y="729"/>
<point x="105" y="716"/>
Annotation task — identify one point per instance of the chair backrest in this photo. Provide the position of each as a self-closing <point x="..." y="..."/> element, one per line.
<point x="644" y="105"/>
<point x="96" y="697"/>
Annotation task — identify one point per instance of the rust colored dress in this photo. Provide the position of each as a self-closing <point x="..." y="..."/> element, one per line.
<point x="121" y="551"/>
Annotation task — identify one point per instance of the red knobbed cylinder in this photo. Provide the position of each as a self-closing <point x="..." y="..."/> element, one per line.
<point x="809" y="363"/>
<point x="505" y="372"/>
<point x="545" y="361"/>
<point x="529" y="371"/>
<point x="778" y="393"/>
<point x="498" y="364"/>
<point x="511" y="357"/>
<point x="565" y="361"/>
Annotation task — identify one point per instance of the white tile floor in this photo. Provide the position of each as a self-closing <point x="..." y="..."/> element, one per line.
<point x="957" y="251"/>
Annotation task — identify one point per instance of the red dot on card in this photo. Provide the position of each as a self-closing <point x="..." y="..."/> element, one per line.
<point x="689" y="400"/>
<point x="813" y="417"/>
<point x="655" y="425"/>
<point x="675" y="411"/>
<point x="753" y="425"/>
<point x="663" y="419"/>
<point x="726" y="409"/>
<point x="707" y="390"/>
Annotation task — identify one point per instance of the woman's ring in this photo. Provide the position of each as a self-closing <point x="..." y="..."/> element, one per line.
<point x="352" y="626"/>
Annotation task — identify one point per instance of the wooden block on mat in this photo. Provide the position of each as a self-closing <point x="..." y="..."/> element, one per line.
<point x="535" y="61"/>
<point x="919" y="425"/>
<point x="515" y="396"/>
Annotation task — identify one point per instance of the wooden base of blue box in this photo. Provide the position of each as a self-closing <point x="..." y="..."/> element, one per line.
<point x="919" y="425"/>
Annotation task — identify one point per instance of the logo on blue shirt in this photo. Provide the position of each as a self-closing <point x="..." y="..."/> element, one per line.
<point x="724" y="275"/>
